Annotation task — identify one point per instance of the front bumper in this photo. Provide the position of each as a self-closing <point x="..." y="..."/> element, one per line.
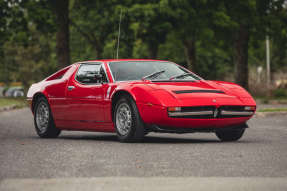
<point x="212" y="112"/>
<point x="154" y="115"/>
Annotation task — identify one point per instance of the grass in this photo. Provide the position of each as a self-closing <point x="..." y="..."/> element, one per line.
<point x="272" y="110"/>
<point x="266" y="100"/>
<point x="17" y="102"/>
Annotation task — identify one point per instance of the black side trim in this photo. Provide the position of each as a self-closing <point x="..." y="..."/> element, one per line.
<point x="198" y="91"/>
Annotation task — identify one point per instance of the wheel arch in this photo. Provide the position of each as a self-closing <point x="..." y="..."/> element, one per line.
<point x="116" y="96"/>
<point x="35" y="98"/>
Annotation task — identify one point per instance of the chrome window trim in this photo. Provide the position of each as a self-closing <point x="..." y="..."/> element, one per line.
<point x="108" y="64"/>
<point x="185" y="69"/>
<point x="91" y="63"/>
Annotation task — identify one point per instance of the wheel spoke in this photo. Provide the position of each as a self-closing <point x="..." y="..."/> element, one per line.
<point x="123" y="119"/>
<point x="42" y="116"/>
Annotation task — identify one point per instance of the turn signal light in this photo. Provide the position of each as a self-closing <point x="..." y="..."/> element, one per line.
<point x="173" y="109"/>
<point x="250" y="108"/>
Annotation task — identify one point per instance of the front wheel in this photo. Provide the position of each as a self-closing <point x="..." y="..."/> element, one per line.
<point x="43" y="120"/>
<point x="128" y="123"/>
<point x="230" y="135"/>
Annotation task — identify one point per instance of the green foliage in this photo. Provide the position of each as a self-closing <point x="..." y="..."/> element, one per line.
<point x="197" y="34"/>
<point x="280" y="93"/>
<point x="149" y="24"/>
<point x="273" y="110"/>
<point x="140" y="50"/>
<point x="29" y="63"/>
<point x="172" y="50"/>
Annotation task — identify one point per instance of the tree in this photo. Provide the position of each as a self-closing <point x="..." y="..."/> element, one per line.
<point x="249" y="20"/>
<point x="189" y="19"/>
<point x="61" y="9"/>
<point x="150" y="25"/>
<point x="276" y="20"/>
<point x="210" y="37"/>
<point x="12" y="28"/>
<point x="95" y="21"/>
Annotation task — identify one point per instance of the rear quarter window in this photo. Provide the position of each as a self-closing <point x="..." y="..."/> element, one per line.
<point x="58" y="75"/>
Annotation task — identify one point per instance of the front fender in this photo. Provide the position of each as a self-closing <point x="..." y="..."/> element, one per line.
<point x="150" y="102"/>
<point x="144" y="94"/>
<point x="236" y="90"/>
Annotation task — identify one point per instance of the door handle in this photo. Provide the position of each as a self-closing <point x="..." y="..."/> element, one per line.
<point x="71" y="88"/>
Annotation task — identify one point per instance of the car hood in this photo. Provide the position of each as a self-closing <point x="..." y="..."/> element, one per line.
<point x="196" y="93"/>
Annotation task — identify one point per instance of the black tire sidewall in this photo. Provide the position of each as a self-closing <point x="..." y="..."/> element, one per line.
<point x="136" y="121"/>
<point x="51" y="130"/>
<point x="230" y="135"/>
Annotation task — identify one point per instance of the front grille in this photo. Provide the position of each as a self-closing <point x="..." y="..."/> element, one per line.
<point x="198" y="108"/>
<point x="211" y="112"/>
<point x="233" y="111"/>
<point x="232" y="108"/>
<point x="195" y="112"/>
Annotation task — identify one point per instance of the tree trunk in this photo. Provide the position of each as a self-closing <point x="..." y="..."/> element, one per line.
<point x="99" y="50"/>
<point x="61" y="9"/>
<point x="152" y="50"/>
<point x="241" y="56"/>
<point x="190" y="54"/>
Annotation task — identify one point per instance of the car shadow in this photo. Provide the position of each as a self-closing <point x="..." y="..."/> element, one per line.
<point x="176" y="140"/>
<point x="99" y="137"/>
<point x="149" y="139"/>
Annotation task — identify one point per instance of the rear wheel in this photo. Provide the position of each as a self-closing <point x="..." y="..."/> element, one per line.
<point x="230" y="134"/>
<point x="128" y="123"/>
<point x="43" y="120"/>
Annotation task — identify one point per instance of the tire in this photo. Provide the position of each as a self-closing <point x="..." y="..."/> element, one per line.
<point x="43" y="120"/>
<point x="230" y="135"/>
<point x="126" y="115"/>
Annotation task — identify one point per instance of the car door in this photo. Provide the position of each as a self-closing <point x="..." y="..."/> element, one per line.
<point x="85" y="95"/>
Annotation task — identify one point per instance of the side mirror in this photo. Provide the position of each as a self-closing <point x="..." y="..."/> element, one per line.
<point x="99" y="78"/>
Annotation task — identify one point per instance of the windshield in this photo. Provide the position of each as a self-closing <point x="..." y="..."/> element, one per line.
<point x="137" y="70"/>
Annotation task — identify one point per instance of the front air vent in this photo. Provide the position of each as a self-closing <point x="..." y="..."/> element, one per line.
<point x="232" y="108"/>
<point x="197" y="108"/>
<point x="195" y="112"/>
<point x="211" y="112"/>
<point x="197" y="91"/>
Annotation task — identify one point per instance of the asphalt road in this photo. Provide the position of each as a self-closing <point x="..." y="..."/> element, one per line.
<point x="262" y="152"/>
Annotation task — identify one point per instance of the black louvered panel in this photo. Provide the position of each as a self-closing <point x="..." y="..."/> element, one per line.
<point x="198" y="108"/>
<point x="197" y="91"/>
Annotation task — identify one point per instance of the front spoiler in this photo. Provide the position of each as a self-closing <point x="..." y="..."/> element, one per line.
<point x="165" y="129"/>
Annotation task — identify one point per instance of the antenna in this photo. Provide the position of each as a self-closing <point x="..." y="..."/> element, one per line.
<point x="119" y="34"/>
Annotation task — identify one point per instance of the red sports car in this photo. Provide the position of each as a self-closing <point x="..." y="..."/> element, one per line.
<point x="134" y="97"/>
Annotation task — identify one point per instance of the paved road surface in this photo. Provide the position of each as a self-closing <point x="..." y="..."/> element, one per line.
<point x="262" y="152"/>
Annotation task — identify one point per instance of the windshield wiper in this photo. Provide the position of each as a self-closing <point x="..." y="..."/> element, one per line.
<point x="180" y="76"/>
<point x="153" y="75"/>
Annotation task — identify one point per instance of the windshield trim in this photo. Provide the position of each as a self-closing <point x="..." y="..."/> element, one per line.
<point x="167" y="80"/>
<point x="185" y="69"/>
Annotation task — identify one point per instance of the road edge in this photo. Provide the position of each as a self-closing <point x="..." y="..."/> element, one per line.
<point x="147" y="183"/>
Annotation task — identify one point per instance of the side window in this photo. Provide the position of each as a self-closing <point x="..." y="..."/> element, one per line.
<point x="87" y="74"/>
<point x="59" y="74"/>
<point x="104" y="77"/>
